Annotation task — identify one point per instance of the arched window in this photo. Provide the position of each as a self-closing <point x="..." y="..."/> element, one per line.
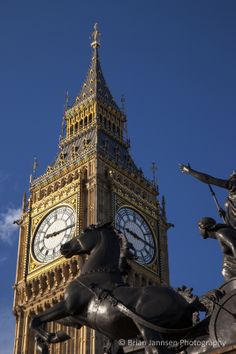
<point x="71" y="130"/>
<point x="81" y="124"/>
<point x="69" y="178"/>
<point x="63" y="182"/>
<point x="41" y="194"/>
<point x="85" y="121"/>
<point x="49" y="190"/>
<point x="90" y="118"/>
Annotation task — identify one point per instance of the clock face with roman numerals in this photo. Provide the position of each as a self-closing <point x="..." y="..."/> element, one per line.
<point x="56" y="228"/>
<point x="137" y="232"/>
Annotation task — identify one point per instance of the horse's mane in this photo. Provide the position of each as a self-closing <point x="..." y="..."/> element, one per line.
<point x="125" y="246"/>
<point x="99" y="226"/>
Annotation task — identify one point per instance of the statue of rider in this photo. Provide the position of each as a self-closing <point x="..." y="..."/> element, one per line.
<point x="227" y="238"/>
<point x="224" y="233"/>
<point x="229" y="214"/>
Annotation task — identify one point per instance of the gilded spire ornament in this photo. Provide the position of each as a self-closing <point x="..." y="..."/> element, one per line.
<point x="35" y="165"/>
<point x="95" y="37"/>
<point x="34" y="170"/>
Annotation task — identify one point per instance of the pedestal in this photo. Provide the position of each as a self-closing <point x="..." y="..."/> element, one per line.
<point x="231" y="349"/>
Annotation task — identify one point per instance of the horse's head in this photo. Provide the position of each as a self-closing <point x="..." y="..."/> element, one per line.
<point x="86" y="242"/>
<point x="82" y="244"/>
<point x="101" y="244"/>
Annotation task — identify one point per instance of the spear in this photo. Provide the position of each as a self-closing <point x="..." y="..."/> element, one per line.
<point x="220" y="210"/>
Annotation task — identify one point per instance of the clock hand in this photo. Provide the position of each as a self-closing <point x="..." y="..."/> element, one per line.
<point x="138" y="238"/>
<point x="58" y="232"/>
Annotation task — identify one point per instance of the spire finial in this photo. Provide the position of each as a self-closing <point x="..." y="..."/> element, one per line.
<point x="35" y="165"/>
<point x="122" y="101"/>
<point x="154" y="171"/>
<point x="66" y="101"/>
<point x="164" y="205"/>
<point x="24" y="203"/>
<point x="95" y="37"/>
<point x="63" y="118"/>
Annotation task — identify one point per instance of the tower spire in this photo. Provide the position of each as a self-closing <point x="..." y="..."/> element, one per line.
<point x="95" y="85"/>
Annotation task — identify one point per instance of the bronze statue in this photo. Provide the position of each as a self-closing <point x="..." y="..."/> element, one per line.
<point x="90" y="298"/>
<point x="226" y="236"/>
<point x="230" y="184"/>
<point x="99" y="299"/>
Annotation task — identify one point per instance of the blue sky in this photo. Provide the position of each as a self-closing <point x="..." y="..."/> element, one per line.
<point x="175" y="63"/>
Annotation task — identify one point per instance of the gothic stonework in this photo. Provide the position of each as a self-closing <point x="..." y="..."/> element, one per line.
<point x="92" y="180"/>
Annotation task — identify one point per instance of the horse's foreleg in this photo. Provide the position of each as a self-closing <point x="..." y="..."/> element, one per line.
<point x="112" y="347"/>
<point x="55" y="313"/>
<point x="41" y="345"/>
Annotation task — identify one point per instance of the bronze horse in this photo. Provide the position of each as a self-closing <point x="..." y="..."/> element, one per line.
<point x="84" y="304"/>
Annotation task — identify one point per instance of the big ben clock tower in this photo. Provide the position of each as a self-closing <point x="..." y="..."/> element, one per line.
<point x="92" y="180"/>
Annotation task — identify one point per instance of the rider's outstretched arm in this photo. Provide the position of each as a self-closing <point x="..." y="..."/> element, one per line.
<point x="203" y="177"/>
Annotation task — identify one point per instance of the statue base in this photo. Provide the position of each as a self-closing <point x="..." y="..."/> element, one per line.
<point x="230" y="349"/>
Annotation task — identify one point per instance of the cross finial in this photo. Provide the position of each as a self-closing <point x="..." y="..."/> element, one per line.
<point x="95" y="37"/>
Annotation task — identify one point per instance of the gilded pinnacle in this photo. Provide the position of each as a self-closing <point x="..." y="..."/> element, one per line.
<point x="95" y="37"/>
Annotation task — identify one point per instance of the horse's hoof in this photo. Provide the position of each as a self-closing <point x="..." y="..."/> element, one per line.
<point x="42" y="347"/>
<point x="59" y="337"/>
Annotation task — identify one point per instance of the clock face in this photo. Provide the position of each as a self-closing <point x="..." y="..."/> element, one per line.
<point x="137" y="232"/>
<point x="57" y="228"/>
